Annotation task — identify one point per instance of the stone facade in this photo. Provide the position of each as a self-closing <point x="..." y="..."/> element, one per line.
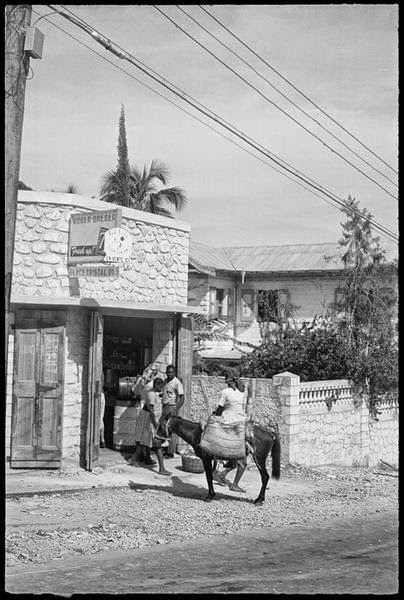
<point x="75" y="400"/>
<point x="154" y="287"/>
<point x="320" y="423"/>
<point x="159" y="263"/>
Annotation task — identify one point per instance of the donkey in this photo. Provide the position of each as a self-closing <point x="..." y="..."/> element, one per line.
<point x="262" y="442"/>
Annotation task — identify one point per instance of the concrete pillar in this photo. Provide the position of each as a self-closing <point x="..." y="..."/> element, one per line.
<point x="364" y="435"/>
<point x="288" y="386"/>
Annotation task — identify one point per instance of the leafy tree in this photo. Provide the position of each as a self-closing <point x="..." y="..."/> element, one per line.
<point x="116" y="183"/>
<point x="367" y="307"/>
<point x="139" y="187"/>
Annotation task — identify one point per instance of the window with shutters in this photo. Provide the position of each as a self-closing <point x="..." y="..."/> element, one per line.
<point x="247" y="305"/>
<point x="218" y="302"/>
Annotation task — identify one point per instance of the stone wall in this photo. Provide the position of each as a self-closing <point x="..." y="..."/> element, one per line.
<point x="75" y="400"/>
<point x="265" y="405"/>
<point x="320" y="422"/>
<point x="158" y="271"/>
<point x="162" y="352"/>
<point x="383" y="435"/>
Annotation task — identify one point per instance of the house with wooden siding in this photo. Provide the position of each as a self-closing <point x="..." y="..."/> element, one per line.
<point x="231" y="281"/>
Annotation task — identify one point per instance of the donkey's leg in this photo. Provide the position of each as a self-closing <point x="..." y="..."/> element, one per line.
<point x="207" y="465"/>
<point x="260" y="457"/>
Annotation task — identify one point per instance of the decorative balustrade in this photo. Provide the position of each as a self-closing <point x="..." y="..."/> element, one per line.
<point x="325" y="391"/>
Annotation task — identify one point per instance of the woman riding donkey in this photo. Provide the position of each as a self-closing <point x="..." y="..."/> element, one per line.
<point x="232" y="408"/>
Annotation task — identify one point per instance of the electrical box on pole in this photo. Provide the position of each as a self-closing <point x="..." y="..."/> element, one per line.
<point x="33" y="45"/>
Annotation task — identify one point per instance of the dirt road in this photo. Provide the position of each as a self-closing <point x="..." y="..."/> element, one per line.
<point x="337" y="556"/>
<point x="56" y="528"/>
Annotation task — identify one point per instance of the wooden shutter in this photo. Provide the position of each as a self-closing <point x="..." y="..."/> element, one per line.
<point x="230" y="303"/>
<point x="283" y="299"/>
<point x="212" y="301"/>
<point x="23" y="429"/>
<point x="50" y="394"/>
<point x="247" y="305"/>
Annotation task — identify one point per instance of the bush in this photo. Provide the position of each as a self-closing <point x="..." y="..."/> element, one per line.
<point x="314" y="351"/>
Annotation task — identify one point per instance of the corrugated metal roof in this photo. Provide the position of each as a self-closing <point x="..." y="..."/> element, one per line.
<point x="295" y="257"/>
<point x="207" y="257"/>
<point x="291" y="257"/>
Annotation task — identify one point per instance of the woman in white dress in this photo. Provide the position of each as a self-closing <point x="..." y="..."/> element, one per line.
<point x="232" y="409"/>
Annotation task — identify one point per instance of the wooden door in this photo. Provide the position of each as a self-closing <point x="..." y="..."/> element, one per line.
<point x="36" y="436"/>
<point x="94" y="389"/>
<point x="184" y="367"/>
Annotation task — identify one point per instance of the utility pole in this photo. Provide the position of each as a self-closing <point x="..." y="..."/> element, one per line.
<point x="18" y="19"/>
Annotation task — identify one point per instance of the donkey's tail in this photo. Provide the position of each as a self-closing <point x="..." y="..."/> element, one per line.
<point x="276" y="458"/>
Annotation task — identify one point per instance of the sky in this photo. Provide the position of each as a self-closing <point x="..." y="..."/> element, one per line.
<point x="343" y="57"/>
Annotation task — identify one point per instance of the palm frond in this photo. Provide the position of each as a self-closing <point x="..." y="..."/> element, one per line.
<point x="159" y="170"/>
<point x="109" y="183"/>
<point x="135" y="172"/>
<point x="175" y="196"/>
<point x="155" y="207"/>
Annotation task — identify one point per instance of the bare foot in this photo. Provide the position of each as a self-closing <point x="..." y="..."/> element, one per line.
<point x="134" y="463"/>
<point x="236" y="488"/>
<point x="218" y="478"/>
<point x="164" y="472"/>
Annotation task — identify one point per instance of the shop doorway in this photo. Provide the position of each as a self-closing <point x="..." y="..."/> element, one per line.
<point x="127" y="350"/>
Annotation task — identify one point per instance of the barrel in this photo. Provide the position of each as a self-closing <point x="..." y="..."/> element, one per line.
<point x="125" y="415"/>
<point x="125" y="386"/>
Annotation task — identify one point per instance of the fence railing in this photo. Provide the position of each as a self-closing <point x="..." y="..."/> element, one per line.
<point x="325" y="391"/>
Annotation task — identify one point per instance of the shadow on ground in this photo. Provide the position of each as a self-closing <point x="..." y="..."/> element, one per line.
<point x="185" y="490"/>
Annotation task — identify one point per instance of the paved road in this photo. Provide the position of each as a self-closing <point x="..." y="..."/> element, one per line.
<point x="354" y="556"/>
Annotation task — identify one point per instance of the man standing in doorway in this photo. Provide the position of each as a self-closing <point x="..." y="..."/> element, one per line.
<point x="173" y="399"/>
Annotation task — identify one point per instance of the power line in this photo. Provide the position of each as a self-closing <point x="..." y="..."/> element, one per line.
<point x="294" y="87"/>
<point x="185" y="111"/>
<point x="218" y="118"/>
<point x="308" y="115"/>
<point x="182" y="93"/>
<point x="117" y="51"/>
<point x="272" y="102"/>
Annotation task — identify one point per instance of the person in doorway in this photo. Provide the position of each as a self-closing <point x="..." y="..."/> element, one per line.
<point x="152" y="411"/>
<point x="141" y="387"/>
<point x="173" y="399"/>
<point x="232" y="409"/>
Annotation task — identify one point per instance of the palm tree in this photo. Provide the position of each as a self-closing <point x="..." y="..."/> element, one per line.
<point x="143" y="189"/>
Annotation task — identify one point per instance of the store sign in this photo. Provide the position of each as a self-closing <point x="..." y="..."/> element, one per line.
<point x="117" y="245"/>
<point x="87" y="234"/>
<point x="94" y="271"/>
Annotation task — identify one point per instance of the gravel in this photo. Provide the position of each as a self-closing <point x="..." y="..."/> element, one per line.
<point x="41" y="529"/>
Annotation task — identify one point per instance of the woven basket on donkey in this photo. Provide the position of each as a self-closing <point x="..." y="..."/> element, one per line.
<point x="192" y="464"/>
<point x="221" y="441"/>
